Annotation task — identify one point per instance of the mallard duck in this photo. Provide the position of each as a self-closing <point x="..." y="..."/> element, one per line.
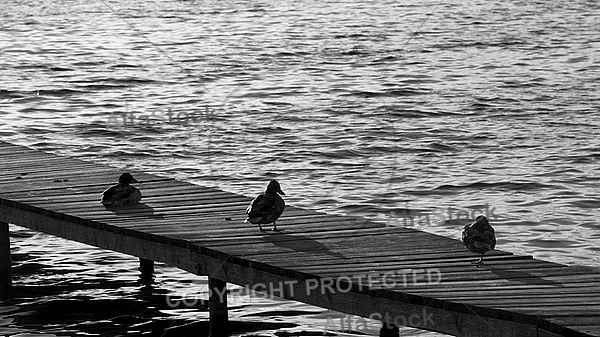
<point x="267" y="207"/>
<point x="123" y="193"/>
<point x="479" y="237"/>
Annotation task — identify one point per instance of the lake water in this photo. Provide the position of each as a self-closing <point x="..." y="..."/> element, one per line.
<point x="491" y="107"/>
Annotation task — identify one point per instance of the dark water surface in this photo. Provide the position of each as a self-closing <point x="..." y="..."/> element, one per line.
<point x="491" y="105"/>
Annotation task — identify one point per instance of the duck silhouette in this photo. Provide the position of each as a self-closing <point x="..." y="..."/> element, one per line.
<point x="267" y="207"/>
<point x="123" y="193"/>
<point x="479" y="237"/>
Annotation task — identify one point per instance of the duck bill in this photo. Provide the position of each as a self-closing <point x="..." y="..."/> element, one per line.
<point x="280" y="192"/>
<point x="134" y="181"/>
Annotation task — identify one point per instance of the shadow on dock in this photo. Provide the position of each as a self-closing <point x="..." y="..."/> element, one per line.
<point x="521" y="276"/>
<point x="137" y="210"/>
<point x="300" y="243"/>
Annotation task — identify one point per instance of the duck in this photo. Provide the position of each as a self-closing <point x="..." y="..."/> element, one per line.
<point x="123" y="193"/>
<point x="479" y="237"/>
<point x="267" y="207"/>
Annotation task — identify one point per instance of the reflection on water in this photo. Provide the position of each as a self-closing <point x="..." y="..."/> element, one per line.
<point x="491" y="103"/>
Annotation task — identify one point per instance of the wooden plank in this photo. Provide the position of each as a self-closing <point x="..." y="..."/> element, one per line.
<point x="504" y="283"/>
<point x="93" y="207"/>
<point x="82" y="173"/>
<point x="587" y="329"/>
<point x="160" y="189"/>
<point x="149" y="189"/>
<point x="583" y="320"/>
<point x="228" y="231"/>
<point x="152" y="193"/>
<point x="39" y="190"/>
<point x="459" y="265"/>
<point x="541" y="310"/>
<point x="589" y="282"/>
<point x="218" y="224"/>
<point x="512" y="293"/>
<point x="545" y="333"/>
<point x="14" y="157"/>
<point x="32" y="174"/>
<point x="36" y="160"/>
<point x="466" y="275"/>
<point x="541" y="302"/>
<point x="195" y="235"/>
<point x="444" y="259"/>
<point x="270" y="246"/>
<point x="205" y="217"/>
<point x="46" y="183"/>
<point x="38" y="166"/>
<point x="77" y="176"/>
<point x="340" y="246"/>
<point x="5" y="262"/>
<point x="39" y="169"/>
<point x="248" y="233"/>
<point x="80" y="176"/>
<point x="518" y="268"/>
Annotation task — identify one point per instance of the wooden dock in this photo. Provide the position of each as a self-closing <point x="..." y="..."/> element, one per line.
<point x="319" y="259"/>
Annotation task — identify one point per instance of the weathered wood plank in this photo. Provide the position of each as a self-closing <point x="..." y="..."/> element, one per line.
<point x="449" y="286"/>
<point x="572" y="302"/>
<point x="84" y="171"/>
<point x="588" y="319"/>
<point x="515" y="269"/>
<point x="47" y="187"/>
<point x="154" y="196"/>
<point x="580" y="293"/>
<point x="591" y="330"/>
<point x="5" y="262"/>
<point x="36" y="167"/>
<point x="93" y="207"/>
<point x="436" y="260"/>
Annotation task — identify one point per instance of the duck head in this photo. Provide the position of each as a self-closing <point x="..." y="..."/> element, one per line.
<point x="274" y="187"/>
<point x="481" y="219"/>
<point x="127" y="178"/>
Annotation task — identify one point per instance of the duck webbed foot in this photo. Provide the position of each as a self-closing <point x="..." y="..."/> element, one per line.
<point x="275" y="229"/>
<point x="478" y="262"/>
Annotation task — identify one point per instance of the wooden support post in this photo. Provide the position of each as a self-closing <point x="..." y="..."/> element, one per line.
<point x="388" y="329"/>
<point x="147" y="270"/>
<point x="217" y="302"/>
<point x="5" y="269"/>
